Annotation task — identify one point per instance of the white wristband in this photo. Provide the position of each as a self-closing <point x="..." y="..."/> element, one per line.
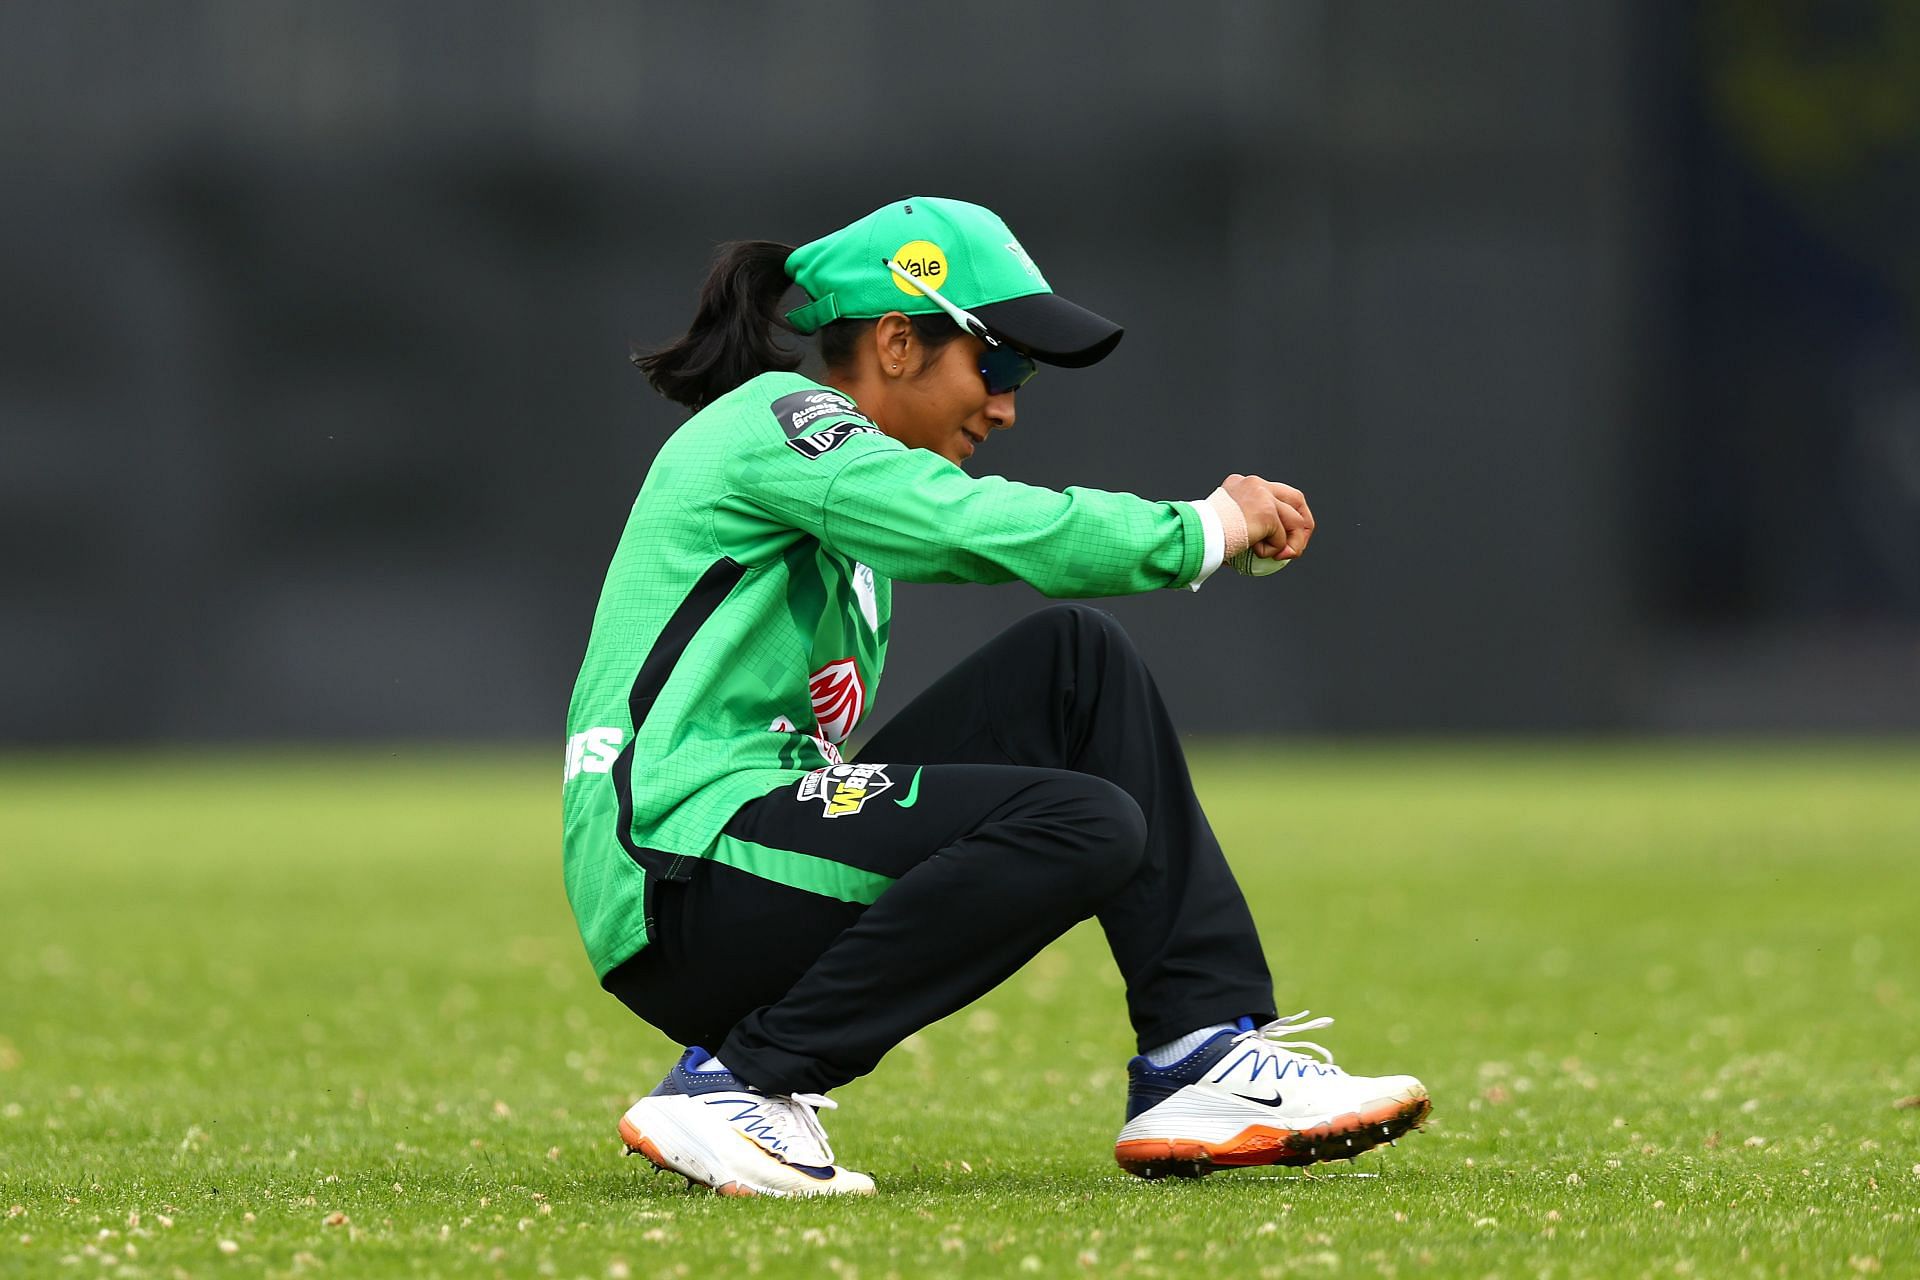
<point x="1223" y="531"/>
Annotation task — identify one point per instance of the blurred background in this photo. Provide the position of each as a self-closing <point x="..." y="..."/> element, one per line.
<point x="1589" y="328"/>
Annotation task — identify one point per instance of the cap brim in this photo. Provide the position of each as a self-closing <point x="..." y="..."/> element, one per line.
<point x="1052" y="330"/>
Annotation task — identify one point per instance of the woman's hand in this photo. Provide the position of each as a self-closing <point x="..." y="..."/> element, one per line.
<point x="1279" y="521"/>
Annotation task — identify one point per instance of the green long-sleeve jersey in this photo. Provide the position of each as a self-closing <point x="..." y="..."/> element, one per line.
<point x="742" y="630"/>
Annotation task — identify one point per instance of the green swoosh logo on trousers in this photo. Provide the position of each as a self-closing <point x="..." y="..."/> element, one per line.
<point x="913" y="792"/>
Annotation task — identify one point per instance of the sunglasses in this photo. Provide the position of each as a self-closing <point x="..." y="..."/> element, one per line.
<point x="1001" y="367"/>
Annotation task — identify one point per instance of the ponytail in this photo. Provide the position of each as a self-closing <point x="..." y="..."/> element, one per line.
<point x="734" y="333"/>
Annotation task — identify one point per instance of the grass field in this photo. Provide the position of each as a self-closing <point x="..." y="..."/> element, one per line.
<point x="326" y="1015"/>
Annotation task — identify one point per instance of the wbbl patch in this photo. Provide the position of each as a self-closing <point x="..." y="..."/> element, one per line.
<point x="831" y="438"/>
<point x="843" y="789"/>
<point x="797" y="413"/>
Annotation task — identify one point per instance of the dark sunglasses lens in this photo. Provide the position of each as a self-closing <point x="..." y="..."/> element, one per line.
<point x="1005" y="369"/>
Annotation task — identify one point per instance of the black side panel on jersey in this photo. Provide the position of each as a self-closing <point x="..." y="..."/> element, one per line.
<point x="701" y="602"/>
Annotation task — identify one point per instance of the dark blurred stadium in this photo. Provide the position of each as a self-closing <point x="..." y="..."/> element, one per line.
<point x="1588" y="327"/>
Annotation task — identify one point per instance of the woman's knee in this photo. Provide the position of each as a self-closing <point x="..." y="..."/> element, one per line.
<point x="1081" y="622"/>
<point x="1105" y="833"/>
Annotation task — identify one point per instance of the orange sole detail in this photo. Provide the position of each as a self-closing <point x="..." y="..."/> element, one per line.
<point x="639" y="1144"/>
<point x="1341" y="1138"/>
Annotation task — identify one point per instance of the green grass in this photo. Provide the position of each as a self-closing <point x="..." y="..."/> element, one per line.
<point x="1666" y="1000"/>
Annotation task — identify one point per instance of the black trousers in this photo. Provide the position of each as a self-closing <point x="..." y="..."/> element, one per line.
<point x="1037" y="784"/>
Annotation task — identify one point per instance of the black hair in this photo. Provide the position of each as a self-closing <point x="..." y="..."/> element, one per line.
<point x="732" y="337"/>
<point x="735" y="334"/>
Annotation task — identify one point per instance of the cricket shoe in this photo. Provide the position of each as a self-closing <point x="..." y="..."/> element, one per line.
<point x="715" y="1130"/>
<point x="1259" y="1096"/>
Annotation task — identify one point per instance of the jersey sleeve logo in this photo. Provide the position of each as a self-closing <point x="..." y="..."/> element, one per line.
<point x="800" y="412"/>
<point x="839" y="698"/>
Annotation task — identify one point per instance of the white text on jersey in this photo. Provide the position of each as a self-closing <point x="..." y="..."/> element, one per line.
<point x="593" y="751"/>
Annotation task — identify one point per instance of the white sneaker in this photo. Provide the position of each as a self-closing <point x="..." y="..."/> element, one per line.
<point x="713" y="1130"/>
<point x="1253" y="1097"/>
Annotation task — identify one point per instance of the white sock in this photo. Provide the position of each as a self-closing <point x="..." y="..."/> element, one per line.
<point x="711" y="1064"/>
<point x="1173" y="1050"/>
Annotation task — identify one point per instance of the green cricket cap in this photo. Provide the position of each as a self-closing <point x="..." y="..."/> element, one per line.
<point x="963" y="251"/>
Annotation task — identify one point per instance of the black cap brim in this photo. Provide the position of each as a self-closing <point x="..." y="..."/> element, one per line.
<point x="1052" y="330"/>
